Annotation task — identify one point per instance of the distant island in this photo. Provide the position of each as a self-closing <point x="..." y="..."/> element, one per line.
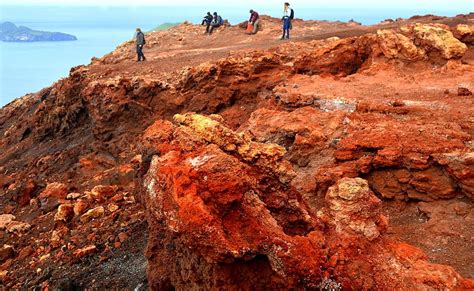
<point x="164" y="26"/>
<point x="9" y="32"/>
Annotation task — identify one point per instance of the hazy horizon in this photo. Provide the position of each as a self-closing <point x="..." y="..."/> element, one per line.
<point x="370" y="4"/>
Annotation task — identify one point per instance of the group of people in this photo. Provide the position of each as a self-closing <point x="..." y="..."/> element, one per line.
<point x="212" y="21"/>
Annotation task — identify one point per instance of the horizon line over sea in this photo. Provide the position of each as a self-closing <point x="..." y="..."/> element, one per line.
<point x="29" y="67"/>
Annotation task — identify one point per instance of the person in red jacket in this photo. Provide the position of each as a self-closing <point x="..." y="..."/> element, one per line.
<point x="254" y="20"/>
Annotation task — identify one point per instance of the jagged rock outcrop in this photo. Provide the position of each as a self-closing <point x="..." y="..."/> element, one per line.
<point x="215" y="219"/>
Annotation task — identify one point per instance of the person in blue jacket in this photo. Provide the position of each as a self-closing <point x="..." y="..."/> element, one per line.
<point x="217" y="21"/>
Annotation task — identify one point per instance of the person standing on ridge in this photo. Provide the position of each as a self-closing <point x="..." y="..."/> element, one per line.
<point x="140" y="42"/>
<point x="254" y="20"/>
<point x="288" y="15"/>
<point x="217" y="21"/>
<point x="207" y="21"/>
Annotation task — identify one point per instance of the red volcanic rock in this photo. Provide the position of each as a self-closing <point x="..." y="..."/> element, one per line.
<point x="212" y="212"/>
<point x="354" y="209"/>
<point x="6" y="219"/>
<point x="424" y="185"/>
<point x="65" y="213"/>
<point x="6" y="252"/>
<point x="55" y="190"/>
<point x="102" y="192"/>
<point x="80" y="206"/>
<point x="93" y="213"/>
<point x="464" y="91"/>
<point x="464" y="33"/>
<point x="85" y="251"/>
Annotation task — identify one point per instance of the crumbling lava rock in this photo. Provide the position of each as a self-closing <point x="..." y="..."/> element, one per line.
<point x="216" y="217"/>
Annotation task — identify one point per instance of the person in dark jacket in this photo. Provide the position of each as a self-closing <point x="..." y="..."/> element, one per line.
<point x="254" y="20"/>
<point x="207" y="21"/>
<point x="217" y="21"/>
<point x="140" y="42"/>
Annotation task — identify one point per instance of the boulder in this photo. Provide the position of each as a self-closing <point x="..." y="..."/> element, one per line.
<point x="464" y="32"/>
<point x="432" y="37"/>
<point x="397" y="46"/>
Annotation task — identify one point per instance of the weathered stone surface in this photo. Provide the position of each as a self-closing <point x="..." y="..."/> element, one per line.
<point x="17" y="227"/>
<point x="65" y="213"/>
<point x="96" y="212"/>
<point x="79" y="207"/>
<point x="6" y="252"/>
<point x="396" y="45"/>
<point x="354" y="209"/>
<point x="6" y="219"/>
<point x="268" y="156"/>
<point x="85" y="251"/>
<point x="218" y="215"/>
<point x="439" y="38"/>
<point x="427" y="185"/>
<point x="56" y="190"/>
<point x="102" y="192"/>
<point x="464" y="33"/>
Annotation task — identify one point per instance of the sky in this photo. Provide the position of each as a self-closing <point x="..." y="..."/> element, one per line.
<point x="466" y="5"/>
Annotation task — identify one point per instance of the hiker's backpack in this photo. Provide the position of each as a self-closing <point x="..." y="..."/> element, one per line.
<point x="220" y="21"/>
<point x="292" y="13"/>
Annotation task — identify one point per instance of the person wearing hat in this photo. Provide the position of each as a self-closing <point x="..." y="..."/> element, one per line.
<point x="254" y="20"/>
<point x="140" y="42"/>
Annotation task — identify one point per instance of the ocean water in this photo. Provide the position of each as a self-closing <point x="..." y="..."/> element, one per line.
<point x="29" y="67"/>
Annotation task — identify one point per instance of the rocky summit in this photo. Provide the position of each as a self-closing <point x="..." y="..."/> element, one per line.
<point x="340" y="159"/>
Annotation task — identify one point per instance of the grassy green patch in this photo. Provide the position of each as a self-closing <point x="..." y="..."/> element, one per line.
<point x="164" y="26"/>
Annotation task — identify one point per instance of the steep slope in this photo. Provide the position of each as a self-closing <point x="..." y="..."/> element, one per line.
<point x="89" y="163"/>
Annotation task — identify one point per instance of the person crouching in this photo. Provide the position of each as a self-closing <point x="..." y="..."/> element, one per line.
<point x="254" y="20"/>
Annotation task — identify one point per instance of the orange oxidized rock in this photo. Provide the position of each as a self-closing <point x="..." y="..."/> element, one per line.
<point x="56" y="190"/>
<point x="85" y="251"/>
<point x="353" y="209"/>
<point x="211" y="212"/>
